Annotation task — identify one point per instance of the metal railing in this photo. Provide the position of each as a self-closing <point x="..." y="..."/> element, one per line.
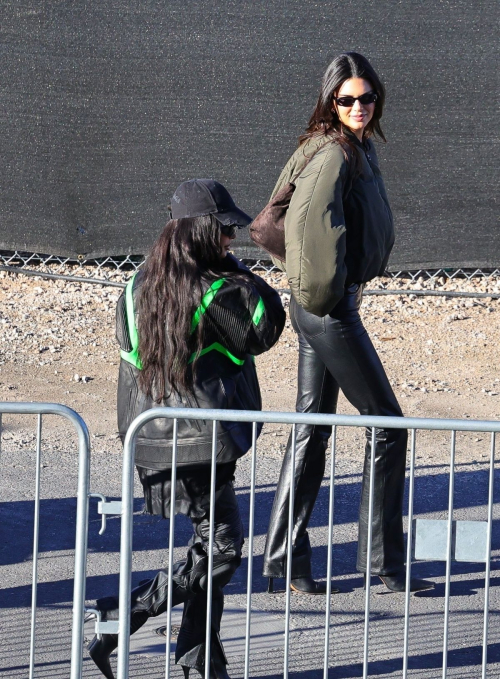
<point x="41" y="409"/>
<point x="335" y="421"/>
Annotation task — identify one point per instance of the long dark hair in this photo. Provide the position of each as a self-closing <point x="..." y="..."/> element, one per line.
<point x="324" y="120"/>
<point x="187" y="251"/>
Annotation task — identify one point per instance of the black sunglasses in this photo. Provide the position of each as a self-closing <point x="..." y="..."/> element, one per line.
<point x="367" y="98"/>
<point x="229" y="230"/>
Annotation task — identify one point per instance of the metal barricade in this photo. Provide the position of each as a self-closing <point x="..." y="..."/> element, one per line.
<point x="41" y="409"/>
<point x="370" y="422"/>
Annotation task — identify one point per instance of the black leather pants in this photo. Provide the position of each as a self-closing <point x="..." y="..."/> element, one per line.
<point x="190" y="582"/>
<point x="335" y="352"/>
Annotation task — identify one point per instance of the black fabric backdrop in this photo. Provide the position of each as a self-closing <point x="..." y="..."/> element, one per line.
<point x="107" y="106"/>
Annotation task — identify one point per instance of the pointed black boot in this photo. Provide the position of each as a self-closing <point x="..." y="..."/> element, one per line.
<point x="397" y="582"/>
<point x="148" y="599"/>
<point x="101" y="649"/>
<point x="217" y="670"/>
<point x="308" y="585"/>
<point x="305" y="585"/>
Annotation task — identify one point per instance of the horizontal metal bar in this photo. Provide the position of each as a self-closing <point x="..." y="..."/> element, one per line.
<point x="23" y="408"/>
<point x="369" y="421"/>
<point x="60" y="277"/>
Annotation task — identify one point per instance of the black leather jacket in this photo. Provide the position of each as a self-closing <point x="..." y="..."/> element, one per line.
<point x="243" y="320"/>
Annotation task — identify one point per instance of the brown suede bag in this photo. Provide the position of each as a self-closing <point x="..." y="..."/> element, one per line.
<point x="268" y="229"/>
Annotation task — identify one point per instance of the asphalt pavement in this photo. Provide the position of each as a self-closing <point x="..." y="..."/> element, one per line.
<point x="307" y="625"/>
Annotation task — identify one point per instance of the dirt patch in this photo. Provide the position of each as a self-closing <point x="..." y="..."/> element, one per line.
<point x="441" y="354"/>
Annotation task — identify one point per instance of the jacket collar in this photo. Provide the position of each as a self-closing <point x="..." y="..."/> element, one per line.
<point x="352" y="137"/>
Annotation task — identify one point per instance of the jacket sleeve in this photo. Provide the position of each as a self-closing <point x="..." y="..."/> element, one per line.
<point x="247" y="316"/>
<point x="315" y="233"/>
<point x="268" y="317"/>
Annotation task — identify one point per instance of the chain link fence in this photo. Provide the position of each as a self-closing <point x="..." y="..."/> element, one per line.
<point x="112" y="268"/>
<point x="115" y="271"/>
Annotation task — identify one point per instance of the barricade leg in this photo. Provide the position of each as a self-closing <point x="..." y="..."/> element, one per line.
<point x="408" y="552"/>
<point x="288" y="579"/>
<point x="126" y="555"/>
<point x="81" y="542"/>
<point x="250" y="550"/>
<point x="488" y="557"/>
<point x="448" y="555"/>
<point x="329" y="553"/>
<point x="208" y="638"/>
<point x="369" y="555"/>
<point x="36" y="536"/>
<point x="168" y="631"/>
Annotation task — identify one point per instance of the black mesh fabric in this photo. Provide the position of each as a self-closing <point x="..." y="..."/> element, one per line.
<point x="122" y="334"/>
<point x="107" y="106"/>
<point x="226" y="326"/>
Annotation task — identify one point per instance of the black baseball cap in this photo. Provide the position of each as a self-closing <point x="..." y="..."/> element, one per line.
<point x="198" y="197"/>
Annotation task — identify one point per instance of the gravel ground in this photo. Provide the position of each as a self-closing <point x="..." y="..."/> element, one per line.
<point x="57" y="344"/>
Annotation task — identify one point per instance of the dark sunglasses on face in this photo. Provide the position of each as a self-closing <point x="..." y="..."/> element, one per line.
<point x="229" y="231"/>
<point x="367" y="98"/>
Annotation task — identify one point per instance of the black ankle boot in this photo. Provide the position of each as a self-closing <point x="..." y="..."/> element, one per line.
<point x="101" y="649"/>
<point x="217" y="670"/>
<point x="305" y="585"/>
<point x="396" y="582"/>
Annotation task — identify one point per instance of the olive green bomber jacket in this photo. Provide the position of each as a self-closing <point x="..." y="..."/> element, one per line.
<point x="338" y="228"/>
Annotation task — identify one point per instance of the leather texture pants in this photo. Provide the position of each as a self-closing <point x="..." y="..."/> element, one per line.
<point x="189" y="580"/>
<point x="335" y="352"/>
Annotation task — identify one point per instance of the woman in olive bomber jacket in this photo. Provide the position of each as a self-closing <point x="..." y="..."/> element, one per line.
<point x="338" y="235"/>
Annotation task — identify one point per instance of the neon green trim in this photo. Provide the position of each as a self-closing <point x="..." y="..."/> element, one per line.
<point x="259" y="312"/>
<point x="218" y="347"/>
<point x="133" y="355"/>
<point x="206" y="300"/>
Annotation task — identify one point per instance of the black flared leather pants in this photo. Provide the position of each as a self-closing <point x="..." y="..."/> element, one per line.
<point x="335" y="352"/>
<point x="189" y="580"/>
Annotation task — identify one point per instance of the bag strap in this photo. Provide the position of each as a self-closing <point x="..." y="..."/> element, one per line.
<point x="349" y="177"/>
<point x="297" y="174"/>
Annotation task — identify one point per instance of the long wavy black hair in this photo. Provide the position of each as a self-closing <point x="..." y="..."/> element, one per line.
<point x="324" y="120"/>
<point x="174" y="278"/>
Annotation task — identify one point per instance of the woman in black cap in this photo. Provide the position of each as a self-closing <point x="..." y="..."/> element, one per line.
<point x="189" y="324"/>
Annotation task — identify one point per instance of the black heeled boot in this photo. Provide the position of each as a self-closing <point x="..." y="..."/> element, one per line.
<point x="218" y="670"/>
<point x="147" y="600"/>
<point x="101" y="649"/>
<point x="396" y="582"/>
<point x="305" y="585"/>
